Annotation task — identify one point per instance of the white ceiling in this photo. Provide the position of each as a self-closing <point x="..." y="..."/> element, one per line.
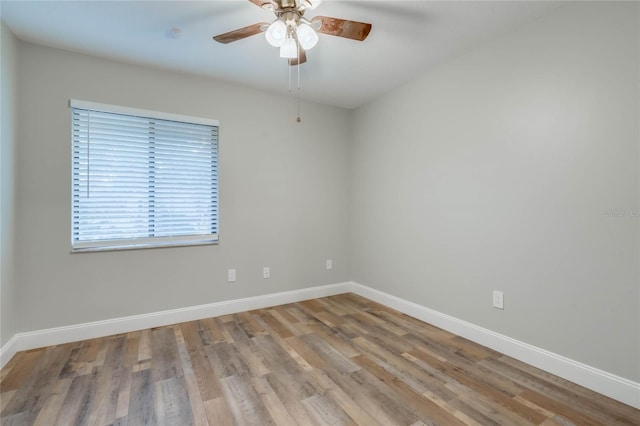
<point x="407" y="38"/>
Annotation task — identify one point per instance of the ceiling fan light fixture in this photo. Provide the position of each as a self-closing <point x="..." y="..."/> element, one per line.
<point x="307" y="37"/>
<point x="311" y="4"/>
<point x="276" y="33"/>
<point x="289" y="48"/>
<point x="294" y="34"/>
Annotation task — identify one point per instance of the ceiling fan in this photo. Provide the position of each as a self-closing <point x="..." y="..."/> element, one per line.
<point x="292" y="32"/>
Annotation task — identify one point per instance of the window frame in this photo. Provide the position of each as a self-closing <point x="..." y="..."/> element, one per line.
<point x="148" y="242"/>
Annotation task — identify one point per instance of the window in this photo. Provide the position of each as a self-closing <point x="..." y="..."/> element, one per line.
<point x="142" y="178"/>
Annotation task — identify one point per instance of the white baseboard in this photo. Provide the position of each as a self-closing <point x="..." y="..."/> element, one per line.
<point x="8" y="350"/>
<point x="608" y="384"/>
<point x="91" y="330"/>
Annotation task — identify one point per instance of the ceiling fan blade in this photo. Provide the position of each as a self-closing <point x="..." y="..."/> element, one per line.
<point x="298" y="61"/>
<point x="240" y="33"/>
<point x="343" y="28"/>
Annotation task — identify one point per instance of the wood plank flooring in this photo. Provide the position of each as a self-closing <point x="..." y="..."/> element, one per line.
<point x="341" y="360"/>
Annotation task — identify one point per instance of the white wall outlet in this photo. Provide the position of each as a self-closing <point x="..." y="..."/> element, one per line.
<point x="498" y="299"/>
<point x="266" y="272"/>
<point x="329" y="264"/>
<point x="231" y="275"/>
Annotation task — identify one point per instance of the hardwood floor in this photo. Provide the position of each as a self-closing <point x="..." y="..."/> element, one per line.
<point x="341" y="360"/>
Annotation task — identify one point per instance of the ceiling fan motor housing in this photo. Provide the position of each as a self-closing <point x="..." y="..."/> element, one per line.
<point x="288" y="4"/>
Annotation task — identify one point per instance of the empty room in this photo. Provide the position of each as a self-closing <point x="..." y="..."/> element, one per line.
<point x="305" y="212"/>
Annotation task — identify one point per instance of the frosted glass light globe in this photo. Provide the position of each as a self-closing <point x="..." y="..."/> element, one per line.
<point x="311" y="4"/>
<point x="276" y="33"/>
<point x="306" y="36"/>
<point x="289" y="48"/>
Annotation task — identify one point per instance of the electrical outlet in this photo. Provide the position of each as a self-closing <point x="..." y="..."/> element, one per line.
<point x="266" y="272"/>
<point x="231" y="275"/>
<point x="329" y="264"/>
<point x="498" y="299"/>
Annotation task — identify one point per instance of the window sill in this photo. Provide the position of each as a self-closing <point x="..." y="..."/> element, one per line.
<point x="143" y="246"/>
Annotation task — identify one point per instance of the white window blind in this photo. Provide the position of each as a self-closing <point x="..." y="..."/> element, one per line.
<point x="142" y="179"/>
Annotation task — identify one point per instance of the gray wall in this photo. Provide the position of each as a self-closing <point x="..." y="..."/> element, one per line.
<point x="498" y="170"/>
<point x="9" y="79"/>
<point x="283" y="196"/>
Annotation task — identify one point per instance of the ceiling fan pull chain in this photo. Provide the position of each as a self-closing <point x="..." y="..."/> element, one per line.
<point x="298" y="66"/>
<point x="298" y="119"/>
